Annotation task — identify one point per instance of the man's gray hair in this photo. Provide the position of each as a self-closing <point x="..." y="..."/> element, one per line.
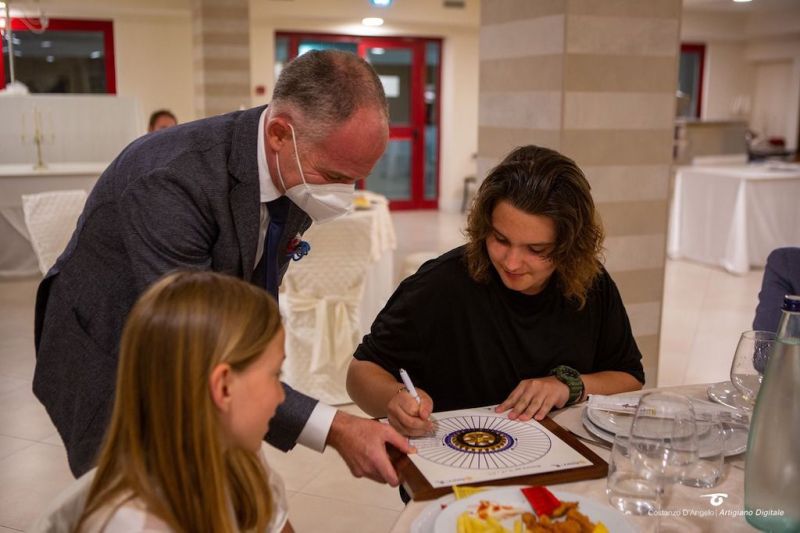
<point x="327" y="87"/>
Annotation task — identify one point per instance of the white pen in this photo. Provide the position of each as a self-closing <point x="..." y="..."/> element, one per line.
<point x="412" y="390"/>
<point x="410" y="386"/>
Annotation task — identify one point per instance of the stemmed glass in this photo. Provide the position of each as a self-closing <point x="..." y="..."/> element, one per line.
<point x="663" y="439"/>
<point x="749" y="362"/>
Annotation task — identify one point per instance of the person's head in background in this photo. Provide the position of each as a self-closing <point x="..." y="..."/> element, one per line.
<point x="533" y="217"/>
<point x="160" y="119"/>
<point x="327" y="123"/>
<point x="197" y="383"/>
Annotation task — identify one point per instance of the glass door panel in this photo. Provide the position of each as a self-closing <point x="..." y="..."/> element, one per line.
<point x="393" y="66"/>
<point x="398" y="63"/>
<point x="390" y="175"/>
<point x="431" y="97"/>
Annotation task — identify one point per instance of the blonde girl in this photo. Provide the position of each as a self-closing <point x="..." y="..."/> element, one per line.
<point x="198" y="382"/>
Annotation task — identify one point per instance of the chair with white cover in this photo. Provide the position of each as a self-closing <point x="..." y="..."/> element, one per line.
<point x="320" y="304"/>
<point x="50" y="218"/>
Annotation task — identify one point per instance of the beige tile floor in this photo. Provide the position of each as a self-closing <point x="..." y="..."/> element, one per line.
<point x="705" y="309"/>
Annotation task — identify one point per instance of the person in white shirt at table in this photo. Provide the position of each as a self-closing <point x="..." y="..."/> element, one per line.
<point x="198" y="382"/>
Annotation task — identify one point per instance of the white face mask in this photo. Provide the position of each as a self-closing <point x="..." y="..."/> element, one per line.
<point x="322" y="202"/>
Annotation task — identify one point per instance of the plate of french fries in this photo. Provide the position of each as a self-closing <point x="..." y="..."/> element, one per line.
<point x="510" y="510"/>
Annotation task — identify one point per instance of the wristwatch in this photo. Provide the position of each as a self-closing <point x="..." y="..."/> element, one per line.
<point x="572" y="379"/>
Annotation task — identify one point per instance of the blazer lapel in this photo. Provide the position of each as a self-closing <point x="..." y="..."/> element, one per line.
<point x="244" y="195"/>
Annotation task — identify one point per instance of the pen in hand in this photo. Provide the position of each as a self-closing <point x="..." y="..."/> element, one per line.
<point x="412" y="390"/>
<point x="410" y="386"/>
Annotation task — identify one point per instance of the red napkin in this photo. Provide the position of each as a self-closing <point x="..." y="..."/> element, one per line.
<point x="542" y="500"/>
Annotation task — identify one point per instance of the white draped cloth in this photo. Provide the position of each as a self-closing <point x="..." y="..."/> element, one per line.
<point x="321" y="307"/>
<point x="734" y="216"/>
<point x="50" y="218"/>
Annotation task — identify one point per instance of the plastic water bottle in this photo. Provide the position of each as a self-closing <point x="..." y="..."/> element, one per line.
<point x="772" y="474"/>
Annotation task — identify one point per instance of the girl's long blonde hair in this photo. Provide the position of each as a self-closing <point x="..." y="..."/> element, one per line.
<point x="163" y="444"/>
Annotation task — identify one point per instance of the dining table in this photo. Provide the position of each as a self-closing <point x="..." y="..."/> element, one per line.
<point x="733" y="216"/>
<point x="686" y="509"/>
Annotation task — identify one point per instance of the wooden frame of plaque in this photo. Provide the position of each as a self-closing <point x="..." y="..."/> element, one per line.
<point x="420" y="489"/>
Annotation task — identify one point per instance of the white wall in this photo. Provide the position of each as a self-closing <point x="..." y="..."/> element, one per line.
<point x="770" y="117"/>
<point x="728" y="82"/>
<point x="752" y="68"/>
<point x="154" y="63"/>
<point x="152" y="47"/>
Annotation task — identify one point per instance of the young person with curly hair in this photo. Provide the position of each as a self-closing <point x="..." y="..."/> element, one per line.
<point x="523" y="316"/>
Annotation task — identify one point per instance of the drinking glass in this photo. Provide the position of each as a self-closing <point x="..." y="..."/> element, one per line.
<point x="712" y="438"/>
<point x="628" y="488"/>
<point x="663" y="437"/>
<point x="749" y="362"/>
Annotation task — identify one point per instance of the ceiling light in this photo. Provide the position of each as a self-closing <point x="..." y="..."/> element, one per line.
<point x="741" y="1"/>
<point x="381" y="3"/>
<point x="372" y="21"/>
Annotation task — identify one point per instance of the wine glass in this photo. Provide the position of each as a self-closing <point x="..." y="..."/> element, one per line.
<point x="663" y="439"/>
<point x="749" y="363"/>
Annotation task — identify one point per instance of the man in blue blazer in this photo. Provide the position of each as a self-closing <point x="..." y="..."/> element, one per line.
<point x="199" y="196"/>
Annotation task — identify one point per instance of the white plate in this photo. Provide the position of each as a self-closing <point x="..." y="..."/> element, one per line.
<point x="736" y="444"/>
<point x="614" y="423"/>
<point x="596" y="431"/>
<point x="620" y="423"/>
<point x="726" y="394"/>
<point x="425" y="520"/>
<point x="596" y="511"/>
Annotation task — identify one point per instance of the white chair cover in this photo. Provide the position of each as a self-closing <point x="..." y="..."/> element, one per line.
<point x="321" y="307"/>
<point x="50" y="218"/>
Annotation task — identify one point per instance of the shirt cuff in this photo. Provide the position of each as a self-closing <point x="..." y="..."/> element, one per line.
<point x="315" y="432"/>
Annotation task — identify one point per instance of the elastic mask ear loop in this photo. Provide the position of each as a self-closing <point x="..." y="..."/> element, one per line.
<point x="297" y="158"/>
<point x="280" y="177"/>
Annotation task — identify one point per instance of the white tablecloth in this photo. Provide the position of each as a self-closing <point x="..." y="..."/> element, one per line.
<point x="734" y="216"/>
<point x="379" y="284"/>
<point x="16" y="254"/>
<point x="700" y="515"/>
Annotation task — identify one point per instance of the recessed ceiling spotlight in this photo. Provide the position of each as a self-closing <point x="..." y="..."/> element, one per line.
<point x="381" y="3"/>
<point x="741" y="1"/>
<point x="372" y="21"/>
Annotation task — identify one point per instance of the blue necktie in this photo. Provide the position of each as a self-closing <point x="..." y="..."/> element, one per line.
<point x="266" y="272"/>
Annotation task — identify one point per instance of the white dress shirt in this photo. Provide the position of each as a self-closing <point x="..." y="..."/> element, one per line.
<point x="315" y="432"/>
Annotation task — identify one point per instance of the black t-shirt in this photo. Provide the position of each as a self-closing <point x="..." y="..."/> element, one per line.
<point x="468" y="344"/>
